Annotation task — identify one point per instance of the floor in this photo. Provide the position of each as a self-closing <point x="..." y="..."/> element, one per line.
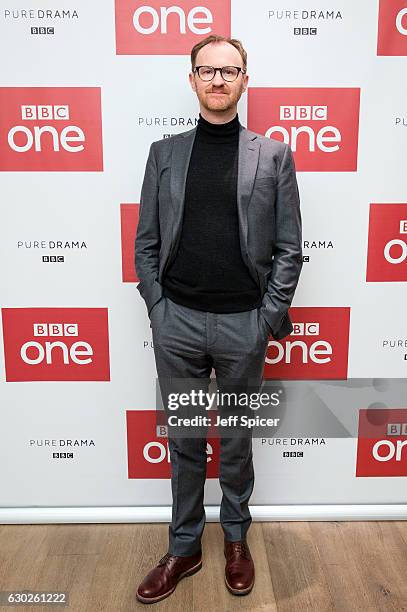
<point x="316" y="566"/>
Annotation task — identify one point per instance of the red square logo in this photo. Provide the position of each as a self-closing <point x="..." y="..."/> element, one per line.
<point x="147" y="447"/>
<point x="168" y="28"/>
<point x="129" y="215"/>
<point x="392" y="27"/>
<point x="47" y="129"/>
<point x="320" y="124"/>
<point x="382" y="442"/>
<point x="387" y="243"/>
<point x="316" y="349"/>
<point x="50" y="344"/>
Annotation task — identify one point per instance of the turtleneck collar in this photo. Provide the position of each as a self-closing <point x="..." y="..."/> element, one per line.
<point x="219" y="132"/>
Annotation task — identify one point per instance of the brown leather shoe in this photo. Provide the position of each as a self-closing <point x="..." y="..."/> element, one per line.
<point x="163" y="579"/>
<point x="239" y="570"/>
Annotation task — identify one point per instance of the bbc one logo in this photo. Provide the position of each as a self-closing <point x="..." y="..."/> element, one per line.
<point x="51" y="129"/>
<point x="317" y="348"/>
<point x="167" y="28"/>
<point x="387" y="243"/>
<point x="321" y="125"/>
<point x="392" y="28"/>
<point x="56" y="344"/>
<point x="382" y="442"/>
<point x="148" y="451"/>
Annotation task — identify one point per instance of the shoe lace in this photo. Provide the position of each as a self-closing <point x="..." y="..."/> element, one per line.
<point x="241" y="548"/>
<point x="167" y="558"/>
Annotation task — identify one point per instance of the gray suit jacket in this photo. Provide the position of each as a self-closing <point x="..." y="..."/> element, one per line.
<point x="268" y="204"/>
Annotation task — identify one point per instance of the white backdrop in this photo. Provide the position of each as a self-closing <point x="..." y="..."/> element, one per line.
<point x="120" y="89"/>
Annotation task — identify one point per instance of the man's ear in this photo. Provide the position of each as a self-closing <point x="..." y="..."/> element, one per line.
<point x="192" y="81"/>
<point x="246" y="81"/>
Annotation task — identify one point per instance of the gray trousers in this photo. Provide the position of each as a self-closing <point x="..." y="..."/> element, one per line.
<point x="188" y="343"/>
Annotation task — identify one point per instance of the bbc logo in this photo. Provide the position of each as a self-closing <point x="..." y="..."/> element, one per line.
<point x="305" y="31"/>
<point x="161" y="431"/>
<point x="305" y="329"/>
<point x="34" y="112"/>
<point x="303" y="113"/>
<point x="53" y="258"/>
<point x="56" y="329"/>
<point x="42" y="30"/>
<point x="403" y="226"/>
<point x="397" y="429"/>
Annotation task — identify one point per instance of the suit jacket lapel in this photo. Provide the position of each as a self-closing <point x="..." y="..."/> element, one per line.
<point x="249" y="148"/>
<point x="181" y="154"/>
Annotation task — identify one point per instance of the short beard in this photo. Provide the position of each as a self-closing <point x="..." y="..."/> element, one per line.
<point x="231" y="102"/>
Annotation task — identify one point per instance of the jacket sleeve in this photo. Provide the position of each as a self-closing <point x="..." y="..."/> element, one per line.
<point x="148" y="239"/>
<point x="287" y="251"/>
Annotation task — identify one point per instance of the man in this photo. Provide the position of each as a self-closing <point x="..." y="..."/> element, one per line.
<point x="218" y="254"/>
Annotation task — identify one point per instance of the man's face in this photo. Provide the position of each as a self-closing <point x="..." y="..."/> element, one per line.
<point x="218" y="95"/>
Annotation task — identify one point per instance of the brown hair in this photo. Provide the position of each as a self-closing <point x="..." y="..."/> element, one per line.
<point x="218" y="38"/>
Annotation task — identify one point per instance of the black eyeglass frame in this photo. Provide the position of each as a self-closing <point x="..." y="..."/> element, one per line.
<point x="238" y="68"/>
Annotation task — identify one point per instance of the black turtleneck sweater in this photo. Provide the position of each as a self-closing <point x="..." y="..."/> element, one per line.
<point x="208" y="272"/>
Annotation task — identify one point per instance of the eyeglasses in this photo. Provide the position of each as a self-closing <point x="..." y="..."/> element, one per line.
<point x="229" y="73"/>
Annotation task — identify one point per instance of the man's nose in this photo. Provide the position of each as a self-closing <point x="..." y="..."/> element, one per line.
<point x="217" y="79"/>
